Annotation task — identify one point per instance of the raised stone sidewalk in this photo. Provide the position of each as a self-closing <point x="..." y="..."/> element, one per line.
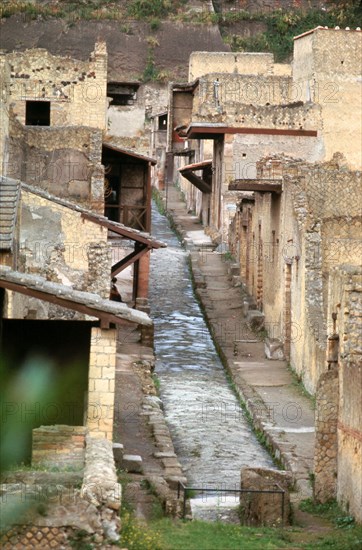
<point x="278" y="408"/>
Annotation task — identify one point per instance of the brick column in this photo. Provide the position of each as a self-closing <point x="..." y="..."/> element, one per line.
<point x="101" y="382"/>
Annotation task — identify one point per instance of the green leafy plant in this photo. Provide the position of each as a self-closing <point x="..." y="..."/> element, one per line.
<point x="150" y="72"/>
<point x="142" y="9"/>
<point x="155" y="23"/>
<point x="156" y="381"/>
<point x="282" y="26"/>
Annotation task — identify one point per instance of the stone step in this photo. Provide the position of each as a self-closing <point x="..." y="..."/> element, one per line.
<point x="132" y="464"/>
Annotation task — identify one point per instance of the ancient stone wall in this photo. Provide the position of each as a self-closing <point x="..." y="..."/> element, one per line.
<point x="64" y="161"/>
<point x="102" y="368"/>
<point x="47" y="226"/>
<point x="202" y="63"/>
<point x="135" y="120"/>
<point x="57" y="513"/>
<point x="326" y="71"/>
<point x="345" y="288"/>
<point x="288" y="245"/>
<point x="326" y="205"/>
<point x="75" y="89"/>
<point x="325" y="454"/>
<point x="59" y="446"/>
<point x="253" y="101"/>
<point x="4" y="112"/>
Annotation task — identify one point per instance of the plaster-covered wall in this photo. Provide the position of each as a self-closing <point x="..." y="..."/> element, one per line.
<point x="326" y="71"/>
<point x="56" y="243"/>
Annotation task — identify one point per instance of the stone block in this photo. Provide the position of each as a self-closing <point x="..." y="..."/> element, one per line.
<point x="265" y="509"/>
<point x="168" y="454"/>
<point x="274" y="349"/>
<point x="171" y="462"/>
<point x="118" y="450"/>
<point x="132" y="463"/>
<point x="173" y="481"/>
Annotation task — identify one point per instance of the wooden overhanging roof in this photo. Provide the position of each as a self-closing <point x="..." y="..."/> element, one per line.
<point x="123" y="230"/>
<point x="258" y="185"/>
<point x="116" y="227"/>
<point x="204" y="183"/>
<point x="129" y="153"/>
<point x="185" y="86"/>
<point x="213" y="130"/>
<point x="143" y="241"/>
<point x="106" y="311"/>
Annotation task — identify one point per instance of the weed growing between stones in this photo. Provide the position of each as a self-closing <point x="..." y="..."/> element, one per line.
<point x="156" y="196"/>
<point x="156" y="382"/>
<point x="298" y="383"/>
<point x="81" y="540"/>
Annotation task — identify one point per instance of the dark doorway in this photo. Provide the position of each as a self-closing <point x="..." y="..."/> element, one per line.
<point x="37" y="113"/>
<point x="56" y="351"/>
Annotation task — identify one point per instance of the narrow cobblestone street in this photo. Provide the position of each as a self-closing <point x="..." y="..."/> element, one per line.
<point x="279" y="409"/>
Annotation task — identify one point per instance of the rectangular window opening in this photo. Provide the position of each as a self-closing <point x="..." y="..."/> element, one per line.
<point x="122" y="93"/>
<point x="37" y="113"/>
<point x="162" y="122"/>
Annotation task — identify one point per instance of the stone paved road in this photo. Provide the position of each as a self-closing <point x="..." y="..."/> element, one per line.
<point x="279" y="409"/>
<point x="212" y="438"/>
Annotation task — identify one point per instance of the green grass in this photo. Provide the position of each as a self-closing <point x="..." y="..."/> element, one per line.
<point x="329" y="510"/>
<point x="347" y="535"/>
<point x="156" y="196"/>
<point x="200" y="535"/>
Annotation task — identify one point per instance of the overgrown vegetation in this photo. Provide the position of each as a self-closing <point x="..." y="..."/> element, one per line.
<point x="142" y="9"/>
<point x="156" y="196"/>
<point x="282" y="26"/>
<point x="81" y="540"/>
<point x="70" y="10"/>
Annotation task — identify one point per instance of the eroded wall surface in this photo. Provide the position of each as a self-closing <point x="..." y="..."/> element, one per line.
<point x="345" y="290"/>
<point x="75" y="89"/>
<point x="56" y="243"/>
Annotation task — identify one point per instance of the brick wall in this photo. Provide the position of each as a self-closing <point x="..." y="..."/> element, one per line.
<point x="60" y="446"/>
<point x="102" y="368"/>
